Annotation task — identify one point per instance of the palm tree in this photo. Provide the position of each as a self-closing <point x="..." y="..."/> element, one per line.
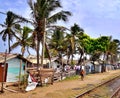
<point x="109" y="51"/>
<point x="70" y="44"/>
<point x="57" y="41"/>
<point x="43" y="15"/>
<point x="10" y="27"/>
<point x="25" y="40"/>
<point x="58" y="44"/>
<point x="41" y="11"/>
<point x="76" y="31"/>
<point x="112" y="51"/>
<point x="118" y="48"/>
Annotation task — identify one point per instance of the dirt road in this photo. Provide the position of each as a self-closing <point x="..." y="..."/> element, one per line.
<point x="63" y="89"/>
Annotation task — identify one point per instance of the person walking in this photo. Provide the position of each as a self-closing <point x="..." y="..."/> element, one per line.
<point x="82" y="72"/>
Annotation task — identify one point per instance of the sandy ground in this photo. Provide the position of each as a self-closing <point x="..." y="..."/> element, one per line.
<point x="63" y="89"/>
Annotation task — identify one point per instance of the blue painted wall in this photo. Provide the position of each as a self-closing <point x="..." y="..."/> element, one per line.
<point x="13" y="69"/>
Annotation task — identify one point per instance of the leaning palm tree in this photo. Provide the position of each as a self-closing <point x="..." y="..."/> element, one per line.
<point x="25" y="40"/>
<point x="42" y="14"/>
<point x="10" y="27"/>
<point x="76" y="31"/>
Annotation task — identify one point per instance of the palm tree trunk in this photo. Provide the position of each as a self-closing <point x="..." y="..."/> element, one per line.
<point x="103" y="64"/>
<point x="72" y="58"/>
<point x="68" y="59"/>
<point x="37" y="50"/>
<point x="80" y="59"/>
<point x="81" y="55"/>
<point x="9" y="44"/>
<point x="43" y="43"/>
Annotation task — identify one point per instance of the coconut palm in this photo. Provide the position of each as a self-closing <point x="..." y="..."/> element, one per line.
<point x="57" y="43"/>
<point x="42" y="12"/>
<point x="10" y="27"/>
<point x="118" y="44"/>
<point x="112" y="51"/>
<point x="76" y="31"/>
<point x="109" y="50"/>
<point x="25" y="40"/>
<point x="82" y="45"/>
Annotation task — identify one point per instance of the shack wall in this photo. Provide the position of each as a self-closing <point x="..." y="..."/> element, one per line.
<point x="13" y="69"/>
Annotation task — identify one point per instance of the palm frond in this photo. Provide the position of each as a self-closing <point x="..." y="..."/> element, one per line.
<point x="30" y="4"/>
<point x="10" y="36"/>
<point x="52" y="5"/>
<point x="26" y="32"/>
<point x="4" y="37"/>
<point x="75" y="29"/>
<point x="22" y="19"/>
<point x="2" y="25"/>
<point x="14" y="45"/>
<point x="62" y="15"/>
<point x="3" y="13"/>
<point x="14" y="34"/>
<point x="2" y="32"/>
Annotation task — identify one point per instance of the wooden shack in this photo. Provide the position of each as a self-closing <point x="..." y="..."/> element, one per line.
<point x="16" y="63"/>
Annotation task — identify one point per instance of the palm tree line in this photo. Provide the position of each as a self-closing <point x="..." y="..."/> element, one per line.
<point x="56" y="40"/>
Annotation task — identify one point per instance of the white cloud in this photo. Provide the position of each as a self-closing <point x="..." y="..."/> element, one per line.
<point x="86" y="13"/>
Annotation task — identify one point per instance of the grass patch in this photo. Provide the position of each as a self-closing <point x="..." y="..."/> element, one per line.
<point x="75" y="77"/>
<point x="34" y="93"/>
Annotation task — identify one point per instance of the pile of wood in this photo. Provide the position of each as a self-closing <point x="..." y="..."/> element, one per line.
<point x="43" y="75"/>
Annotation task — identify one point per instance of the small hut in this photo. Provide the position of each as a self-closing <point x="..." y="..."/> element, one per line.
<point x="16" y="63"/>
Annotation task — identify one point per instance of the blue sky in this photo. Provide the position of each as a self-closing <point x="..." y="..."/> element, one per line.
<point x="96" y="17"/>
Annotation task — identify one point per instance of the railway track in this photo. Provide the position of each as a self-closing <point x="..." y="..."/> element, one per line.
<point x="112" y="84"/>
<point x="116" y="94"/>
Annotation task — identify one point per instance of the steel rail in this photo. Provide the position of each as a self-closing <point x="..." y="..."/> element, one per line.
<point x="115" y="94"/>
<point x="99" y="85"/>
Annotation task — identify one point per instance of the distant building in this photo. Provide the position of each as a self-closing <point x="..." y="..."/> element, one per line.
<point x="46" y="62"/>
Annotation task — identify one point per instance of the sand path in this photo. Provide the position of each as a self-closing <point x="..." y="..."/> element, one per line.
<point x="63" y="89"/>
